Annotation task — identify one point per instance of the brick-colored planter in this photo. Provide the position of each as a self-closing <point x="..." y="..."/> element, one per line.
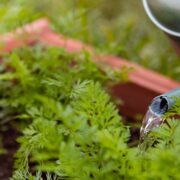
<point x="144" y="84"/>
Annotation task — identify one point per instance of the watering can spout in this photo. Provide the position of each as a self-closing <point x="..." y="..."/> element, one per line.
<point x="163" y="103"/>
<point x="158" y="107"/>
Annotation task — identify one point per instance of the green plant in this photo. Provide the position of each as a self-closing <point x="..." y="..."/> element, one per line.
<point x="71" y="128"/>
<point x="60" y="93"/>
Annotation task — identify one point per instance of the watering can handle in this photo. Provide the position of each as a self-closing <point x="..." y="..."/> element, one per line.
<point x="165" y="15"/>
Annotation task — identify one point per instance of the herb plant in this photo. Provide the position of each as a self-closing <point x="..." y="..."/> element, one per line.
<point x="58" y="98"/>
<point x="70" y="127"/>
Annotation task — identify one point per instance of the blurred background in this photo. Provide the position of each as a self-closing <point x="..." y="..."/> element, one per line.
<point x="119" y="27"/>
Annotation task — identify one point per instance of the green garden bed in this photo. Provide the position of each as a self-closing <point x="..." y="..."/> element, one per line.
<point x="68" y="126"/>
<point x="115" y="27"/>
<point x="57" y="105"/>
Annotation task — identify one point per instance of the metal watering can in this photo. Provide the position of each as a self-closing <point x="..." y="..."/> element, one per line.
<point x="165" y="14"/>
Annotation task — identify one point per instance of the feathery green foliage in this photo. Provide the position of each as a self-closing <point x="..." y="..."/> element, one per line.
<point x="71" y="129"/>
<point x="67" y="115"/>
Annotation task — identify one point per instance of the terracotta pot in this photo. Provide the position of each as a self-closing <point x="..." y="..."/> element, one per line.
<point x="136" y="94"/>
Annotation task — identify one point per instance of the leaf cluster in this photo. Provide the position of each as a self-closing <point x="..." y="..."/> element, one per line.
<point x="71" y="128"/>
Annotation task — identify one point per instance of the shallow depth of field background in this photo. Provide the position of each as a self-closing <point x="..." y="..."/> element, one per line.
<point x="104" y="147"/>
<point x="119" y="27"/>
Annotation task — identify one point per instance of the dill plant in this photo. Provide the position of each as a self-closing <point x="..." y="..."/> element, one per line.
<point x="70" y="127"/>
